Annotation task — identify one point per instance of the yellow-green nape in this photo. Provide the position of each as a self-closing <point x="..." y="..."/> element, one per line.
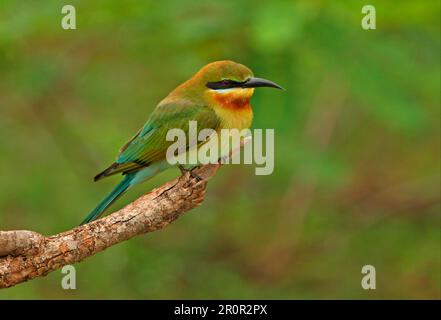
<point x="224" y="70"/>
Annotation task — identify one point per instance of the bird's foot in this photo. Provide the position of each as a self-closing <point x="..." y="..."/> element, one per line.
<point x="192" y="173"/>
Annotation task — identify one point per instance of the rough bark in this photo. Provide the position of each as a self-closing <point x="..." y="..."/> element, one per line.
<point x="25" y="255"/>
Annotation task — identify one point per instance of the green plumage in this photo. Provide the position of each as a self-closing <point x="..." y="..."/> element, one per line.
<point x="149" y="145"/>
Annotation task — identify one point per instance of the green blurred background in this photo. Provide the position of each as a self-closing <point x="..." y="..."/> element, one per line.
<point x="357" y="164"/>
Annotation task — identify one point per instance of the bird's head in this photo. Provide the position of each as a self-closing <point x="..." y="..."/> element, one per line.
<point x="227" y="83"/>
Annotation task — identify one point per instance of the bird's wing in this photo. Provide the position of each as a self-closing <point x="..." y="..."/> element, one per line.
<point x="149" y="144"/>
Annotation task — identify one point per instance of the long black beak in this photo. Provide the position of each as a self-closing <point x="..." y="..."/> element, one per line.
<point x="259" y="82"/>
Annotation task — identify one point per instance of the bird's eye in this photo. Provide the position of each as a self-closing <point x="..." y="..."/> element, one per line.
<point x="223" y="84"/>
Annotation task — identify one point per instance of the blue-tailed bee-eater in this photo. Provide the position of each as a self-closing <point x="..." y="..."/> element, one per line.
<point x="217" y="97"/>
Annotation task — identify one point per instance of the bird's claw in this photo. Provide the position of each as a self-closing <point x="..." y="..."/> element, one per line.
<point x="192" y="173"/>
<point x="196" y="176"/>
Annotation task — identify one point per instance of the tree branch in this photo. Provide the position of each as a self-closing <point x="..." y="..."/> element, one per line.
<point x="25" y="255"/>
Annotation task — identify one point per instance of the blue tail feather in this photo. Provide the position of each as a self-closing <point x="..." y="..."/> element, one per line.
<point x="109" y="199"/>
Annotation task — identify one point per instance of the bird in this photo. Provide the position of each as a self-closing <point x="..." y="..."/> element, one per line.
<point x="217" y="97"/>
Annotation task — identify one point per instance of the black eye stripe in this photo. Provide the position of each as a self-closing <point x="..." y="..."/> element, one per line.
<point x="224" y="84"/>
